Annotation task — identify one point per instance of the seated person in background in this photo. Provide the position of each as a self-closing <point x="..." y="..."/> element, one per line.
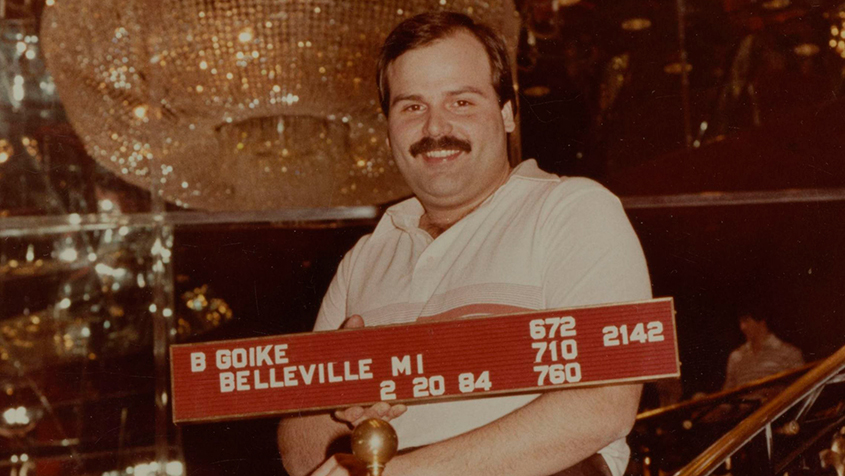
<point x="763" y="354"/>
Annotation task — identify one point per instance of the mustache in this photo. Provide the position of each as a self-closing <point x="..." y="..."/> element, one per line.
<point x="428" y="144"/>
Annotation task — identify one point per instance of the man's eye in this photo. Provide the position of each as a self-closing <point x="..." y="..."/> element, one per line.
<point x="462" y="103"/>
<point x="412" y="108"/>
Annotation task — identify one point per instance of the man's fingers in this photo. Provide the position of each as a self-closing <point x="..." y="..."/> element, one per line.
<point x="379" y="410"/>
<point x="353" y="322"/>
<point x="396" y="411"/>
<point x="350" y="464"/>
<point x="349" y="414"/>
<point x="382" y="410"/>
<point x="356" y="415"/>
<point x="326" y="468"/>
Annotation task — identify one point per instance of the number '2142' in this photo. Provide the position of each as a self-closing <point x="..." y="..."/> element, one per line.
<point x="615" y="335"/>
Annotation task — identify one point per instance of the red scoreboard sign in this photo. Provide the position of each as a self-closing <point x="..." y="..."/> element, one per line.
<point x="465" y="358"/>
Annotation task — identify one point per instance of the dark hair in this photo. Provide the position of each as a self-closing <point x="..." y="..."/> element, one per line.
<point x="750" y="316"/>
<point x="426" y="28"/>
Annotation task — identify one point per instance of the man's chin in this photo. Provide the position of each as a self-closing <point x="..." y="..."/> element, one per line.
<point x="442" y="195"/>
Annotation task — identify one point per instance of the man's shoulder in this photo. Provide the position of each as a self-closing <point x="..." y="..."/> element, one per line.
<point x="737" y="354"/>
<point x="779" y="345"/>
<point x="556" y="187"/>
<point x="529" y="170"/>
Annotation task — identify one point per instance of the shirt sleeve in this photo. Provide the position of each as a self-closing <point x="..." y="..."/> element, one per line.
<point x="333" y="308"/>
<point x="592" y="255"/>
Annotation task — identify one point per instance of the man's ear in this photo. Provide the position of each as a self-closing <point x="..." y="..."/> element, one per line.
<point x="507" y="117"/>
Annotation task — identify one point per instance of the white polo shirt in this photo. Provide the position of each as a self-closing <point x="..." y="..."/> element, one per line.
<point x="539" y="242"/>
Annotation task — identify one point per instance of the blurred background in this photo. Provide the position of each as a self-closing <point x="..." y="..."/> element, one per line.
<point x="186" y="170"/>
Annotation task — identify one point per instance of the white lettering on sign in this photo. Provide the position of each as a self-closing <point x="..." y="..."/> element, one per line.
<point x="568" y="350"/>
<point x="434" y="385"/>
<point x="258" y="383"/>
<point x="273" y="382"/>
<point x="467" y="382"/>
<point x="332" y="377"/>
<point x="558" y="373"/>
<point x="280" y="351"/>
<point x="388" y="390"/>
<point x="241" y="380"/>
<point x="307" y="373"/>
<point x="239" y="358"/>
<point x="293" y="375"/>
<point x="290" y="377"/>
<point x="552" y="327"/>
<point x="642" y="333"/>
<point x="227" y="382"/>
<point x="364" y="369"/>
<point x="197" y="361"/>
<point x="403" y="366"/>
<point x="258" y="356"/>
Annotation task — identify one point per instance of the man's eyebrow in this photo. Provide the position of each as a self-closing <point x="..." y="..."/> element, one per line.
<point x="405" y="97"/>
<point x="456" y="92"/>
<point x="467" y="89"/>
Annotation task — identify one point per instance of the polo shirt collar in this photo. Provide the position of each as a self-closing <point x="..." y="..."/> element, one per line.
<point x="406" y="214"/>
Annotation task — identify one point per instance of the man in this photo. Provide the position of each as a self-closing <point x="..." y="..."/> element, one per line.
<point x="763" y="354"/>
<point x="478" y="238"/>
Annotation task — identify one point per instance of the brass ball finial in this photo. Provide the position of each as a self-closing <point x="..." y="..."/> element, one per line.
<point x="374" y="442"/>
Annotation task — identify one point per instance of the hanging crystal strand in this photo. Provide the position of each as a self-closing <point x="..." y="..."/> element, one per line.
<point x="161" y="311"/>
<point x="167" y="436"/>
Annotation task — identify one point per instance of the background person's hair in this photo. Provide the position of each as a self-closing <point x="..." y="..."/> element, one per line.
<point x="426" y="28"/>
<point x="753" y="316"/>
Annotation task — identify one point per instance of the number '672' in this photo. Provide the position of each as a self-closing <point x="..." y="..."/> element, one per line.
<point x="552" y="327"/>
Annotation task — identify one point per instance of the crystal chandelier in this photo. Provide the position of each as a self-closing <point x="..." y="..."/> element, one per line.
<point x="237" y="104"/>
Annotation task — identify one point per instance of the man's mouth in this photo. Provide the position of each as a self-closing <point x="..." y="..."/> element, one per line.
<point x="441" y="149"/>
<point x="442" y="154"/>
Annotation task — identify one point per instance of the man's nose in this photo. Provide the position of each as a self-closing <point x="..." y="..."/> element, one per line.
<point x="437" y="123"/>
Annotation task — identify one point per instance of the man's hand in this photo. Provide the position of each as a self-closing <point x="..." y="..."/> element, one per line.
<point x="341" y="464"/>
<point x="303" y="441"/>
<point x="383" y="410"/>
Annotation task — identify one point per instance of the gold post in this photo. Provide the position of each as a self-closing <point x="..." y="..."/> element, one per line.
<point x="374" y="442"/>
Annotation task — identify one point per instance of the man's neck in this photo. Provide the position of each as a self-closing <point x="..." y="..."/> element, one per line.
<point x="437" y="220"/>
<point x="757" y="343"/>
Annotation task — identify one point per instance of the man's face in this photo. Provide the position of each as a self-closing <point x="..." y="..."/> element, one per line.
<point x="446" y="130"/>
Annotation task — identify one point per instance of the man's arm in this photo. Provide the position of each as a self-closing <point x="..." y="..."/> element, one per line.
<point x="551" y="433"/>
<point x="303" y="441"/>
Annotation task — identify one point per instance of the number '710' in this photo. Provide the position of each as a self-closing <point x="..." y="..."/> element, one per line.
<point x="642" y="333"/>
